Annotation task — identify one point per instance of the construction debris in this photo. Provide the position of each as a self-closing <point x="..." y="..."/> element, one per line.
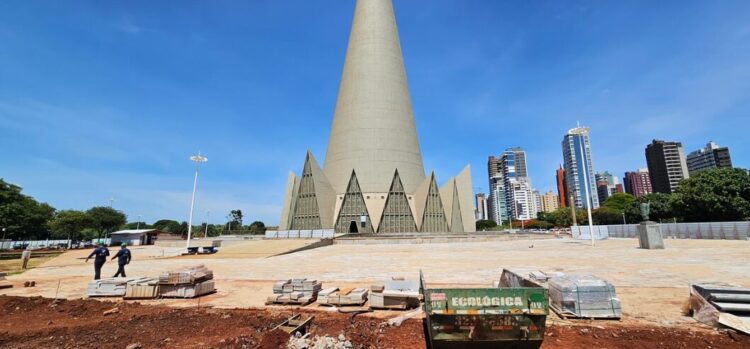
<point x="725" y="305"/>
<point x="325" y="342"/>
<point x="295" y="291"/>
<point x="110" y="287"/>
<point x="395" y="293"/>
<point x="146" y="288"/>
<point x="583" y="296"/>
<point x="186" y="283"/>
<point x="343" y="297"/>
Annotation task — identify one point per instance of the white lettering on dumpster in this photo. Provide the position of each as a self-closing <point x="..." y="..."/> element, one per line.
<point x="486" y="301"/>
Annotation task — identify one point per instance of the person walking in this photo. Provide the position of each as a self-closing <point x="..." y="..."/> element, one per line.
<point x="25" y="256"/>
<point x="100" y="255"/>
<point x="123" y="258"/>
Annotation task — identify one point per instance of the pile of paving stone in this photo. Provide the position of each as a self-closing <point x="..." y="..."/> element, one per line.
<point x="342" y="297"/>
<point x="186" y="283"/>
<point x="295" y="291"/>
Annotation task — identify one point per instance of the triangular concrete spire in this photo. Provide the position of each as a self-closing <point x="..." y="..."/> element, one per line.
<point x="314" y="201"/>
<point x="373" y="129"/>
<point x="397" y="216"/>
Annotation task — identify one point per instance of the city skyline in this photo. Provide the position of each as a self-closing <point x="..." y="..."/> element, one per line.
<point x="124" y="95"/>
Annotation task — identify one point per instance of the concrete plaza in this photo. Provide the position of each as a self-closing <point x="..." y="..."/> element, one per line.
<point x="652" y="284"/>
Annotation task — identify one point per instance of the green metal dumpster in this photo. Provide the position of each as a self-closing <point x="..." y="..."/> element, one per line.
<point x="492" y="317"/>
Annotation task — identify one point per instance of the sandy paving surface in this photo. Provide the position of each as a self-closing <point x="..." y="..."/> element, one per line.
<point x="653" y="284"/>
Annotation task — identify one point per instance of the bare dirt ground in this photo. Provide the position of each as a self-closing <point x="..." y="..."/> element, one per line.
<point x="35" y="322"/>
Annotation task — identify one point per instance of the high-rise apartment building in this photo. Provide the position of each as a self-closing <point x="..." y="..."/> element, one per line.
<point x="523" y="202"/>
<point x="504" y="170"/>
<point x="537" y="200"/>
<point x="709" y="157"/>
<point x="606" y="185"/>
<point x="638" y="183"/>
<point x="496" y="205"/>
<point x="562" y="189"/>
<point x="666" y="165"/>
<point x="579" y="167"/>
<point x="550" y="202"/>
<point x="480" y="203"/>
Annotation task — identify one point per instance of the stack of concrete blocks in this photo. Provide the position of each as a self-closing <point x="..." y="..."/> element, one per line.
<point x="649" y="236"/>
<point x="186" y="283"/>
<point x="109" y="287"/>
<point x="295" y="291"/>
<point x="395" y="293"/>
<point x="146" y="288"/>
<point x="584" y="296"/>
<point x="343" y="297"/>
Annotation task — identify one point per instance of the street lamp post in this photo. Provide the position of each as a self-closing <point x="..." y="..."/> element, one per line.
<point x="586" y="187"/>
<point x="623" y="219"/>
<point x="229" y="224"/>
<point x="198" y="159"/>
<point x="138" y="224"/>
<point x="205" y="234"/>
<point x="3" y="243"/>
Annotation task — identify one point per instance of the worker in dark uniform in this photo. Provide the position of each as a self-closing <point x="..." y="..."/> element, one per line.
<point x="100" y="255"/>
<point x="123" y="258"/>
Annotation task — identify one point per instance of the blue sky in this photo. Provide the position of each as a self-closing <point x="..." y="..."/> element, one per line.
<point x="102" y="99"/>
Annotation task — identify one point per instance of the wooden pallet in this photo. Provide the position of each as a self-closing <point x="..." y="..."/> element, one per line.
<point x="295" y="324"/>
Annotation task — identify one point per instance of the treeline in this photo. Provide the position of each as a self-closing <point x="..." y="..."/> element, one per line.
<point x="24" y="218"/>
<point x="713" y="195"/>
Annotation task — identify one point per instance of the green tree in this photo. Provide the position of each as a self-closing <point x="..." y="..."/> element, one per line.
<point x="236" y="219"/>
<point x="619" y="201"/>
<point x="168" y="225"/>
<point x="564" y="218"/>
<point x="661" y="208"/>
<point x="137" y="225"/>
<point x="106" y="219"/>
<point x="606" y="215"/>
<point x="718" y="194"/>
<point x="21" y="215"/>
<point x="549" y="217"/>
<point x="484" y="224"/>
<point x="257" y="227"/>
<point x="70" y="224"/>
<point x="537" y="224"/>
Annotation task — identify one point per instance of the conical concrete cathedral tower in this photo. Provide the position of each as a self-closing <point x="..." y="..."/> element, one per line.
<point x="373" y="179"/>
<point x="373" y="129"/>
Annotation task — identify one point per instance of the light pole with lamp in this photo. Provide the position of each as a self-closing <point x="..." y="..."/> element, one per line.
<point x="623" y="219"/>
<point x="229" y="224"/>
<point x="205" y="235"/>
<point x="586" y="187"/>
<point x="198" y="159"/>
<point x="138" y="224"/>
<point x="3" y="243"/>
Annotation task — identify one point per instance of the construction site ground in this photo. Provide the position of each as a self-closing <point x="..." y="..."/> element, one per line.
<point x="652" y="284"/>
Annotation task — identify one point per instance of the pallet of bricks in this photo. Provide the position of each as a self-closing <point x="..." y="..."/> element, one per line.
<point x="295" y="291"/>
<point x="186" y="283"/>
